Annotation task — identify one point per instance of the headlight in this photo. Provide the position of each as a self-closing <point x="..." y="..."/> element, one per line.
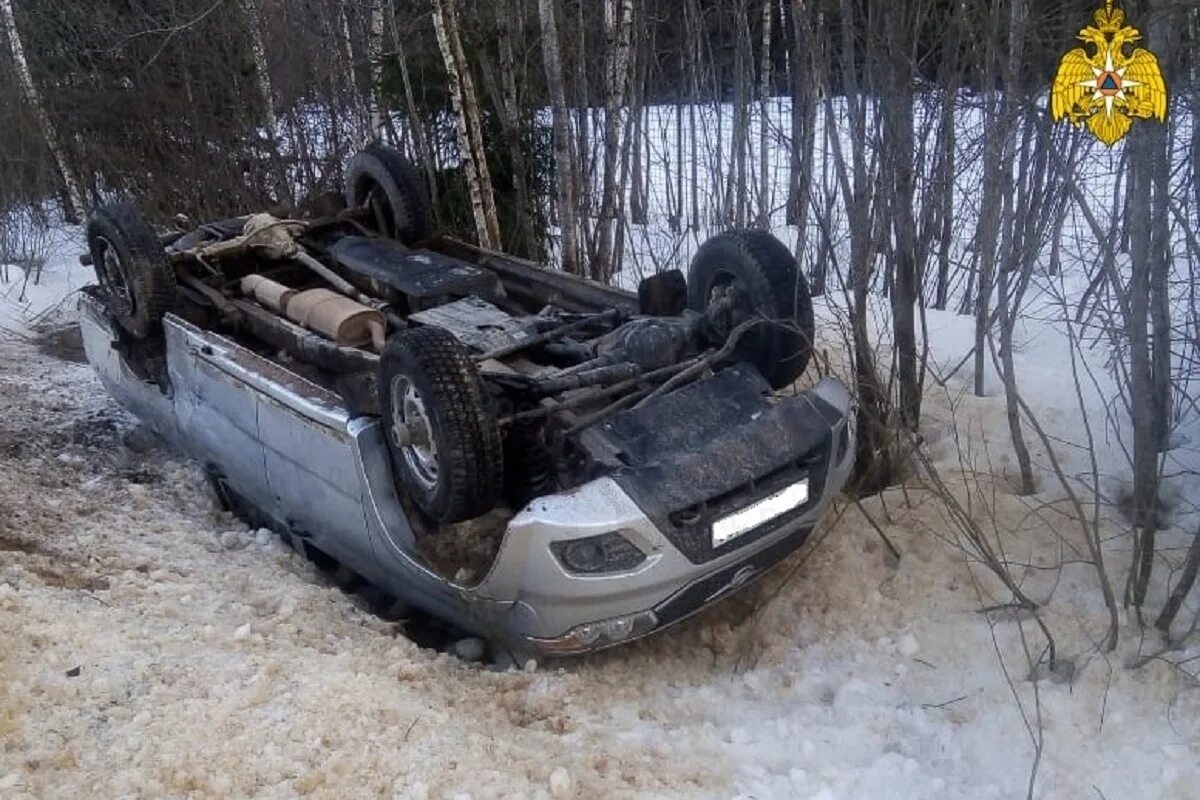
<point x="595" y="555"/>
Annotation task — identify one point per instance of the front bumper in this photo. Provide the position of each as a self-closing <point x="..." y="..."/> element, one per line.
<point x="555" y="610"/>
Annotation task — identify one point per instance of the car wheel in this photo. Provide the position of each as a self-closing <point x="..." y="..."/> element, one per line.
<point x="445" y="446"/>
<point x="132" y="269"/>
<point x="385" y="183"/>
<point x="755" y="273"/>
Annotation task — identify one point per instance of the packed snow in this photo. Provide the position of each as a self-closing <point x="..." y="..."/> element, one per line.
<point x="154" y="646"/>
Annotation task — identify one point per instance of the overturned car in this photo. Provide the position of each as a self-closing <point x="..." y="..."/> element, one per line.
<point x="552" y="464"/>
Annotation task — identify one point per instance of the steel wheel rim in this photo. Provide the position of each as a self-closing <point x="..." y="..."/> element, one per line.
<point x="724" y="284"/>
<point x="409" y="416"/>
<point x="116" y="283"/>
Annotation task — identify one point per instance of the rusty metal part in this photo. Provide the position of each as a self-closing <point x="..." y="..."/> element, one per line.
<point x="345" y="321"/>
<point x="337" y="281"/>
<point x="300" y="343"/>
<point x="212" y="295"/>
<point x="272" y="294"/>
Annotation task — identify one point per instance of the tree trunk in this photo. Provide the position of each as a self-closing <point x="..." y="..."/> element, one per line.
<point x="564" y="157"/>
<point x="803" y="81"/>
<point x="262" y="76"/>
<point x="375" y="57"/>
<point x="1186" y="581"/>
<point x="873" y="461"/>
<point x="467" y="118"/>
<point x="1149" y="393"/>
<point x="75" y="204"/>
<point x="416" y="124"/>
<point x="763" y="218"/>
<point x="736" y="195"/>
<point x="361" y="114"/>
<point x="618" y="27"/>
<point x="642" y="165"/>
<point x="991" y="207"/>
<point x="511" y="118"/>
<point x="899" y="145"/>
<point x="1013" y="246"/>
<point x="692" y="20"/>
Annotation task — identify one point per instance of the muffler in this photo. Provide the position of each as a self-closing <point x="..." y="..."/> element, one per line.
<point x="347" y="322"/>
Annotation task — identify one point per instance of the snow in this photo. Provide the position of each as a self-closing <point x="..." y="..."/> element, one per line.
<point x="208" y="660"/>
<point x="29" y="298"/>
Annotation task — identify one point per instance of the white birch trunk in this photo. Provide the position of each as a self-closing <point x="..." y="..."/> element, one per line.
<point x="34" y="98"/>
<point x="470" y="131"/>
<point x="375" y="55"/>
<point x="564" y="168"/>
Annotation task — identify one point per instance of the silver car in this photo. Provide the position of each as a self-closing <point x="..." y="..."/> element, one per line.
<point x="551" y="464"/>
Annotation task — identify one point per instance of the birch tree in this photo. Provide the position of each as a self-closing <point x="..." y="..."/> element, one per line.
<point x="375" y="56"/>
<point x="467" y="123"/>
<point x="74" y="195"/>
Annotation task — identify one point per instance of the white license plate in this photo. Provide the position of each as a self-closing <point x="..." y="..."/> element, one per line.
<point x="765" y="510"/>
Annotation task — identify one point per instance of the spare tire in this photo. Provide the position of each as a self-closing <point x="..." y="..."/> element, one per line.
<point x="765" y="280"/>
<point x="445" y="445"/>
<point x="385" y="182"/>
<point x="132" y="269"/>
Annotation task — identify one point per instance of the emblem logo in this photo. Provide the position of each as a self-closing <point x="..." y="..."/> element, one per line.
<point x="1107" y="90"/>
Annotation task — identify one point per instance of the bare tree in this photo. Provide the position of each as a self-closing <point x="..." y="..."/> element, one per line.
<point x="564" y="143"/>
<point x="763" y="218"/>
<point x="618" y="28"/>
<point x="74" y="196"/>
<point x="506" y="100"/>
<point x="470" y="132"/>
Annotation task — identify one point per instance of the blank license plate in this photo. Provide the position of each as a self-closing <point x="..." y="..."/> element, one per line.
<point x="765" y="510"/>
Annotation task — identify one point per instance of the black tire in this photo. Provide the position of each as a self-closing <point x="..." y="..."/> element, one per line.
<point x="770" y="283"/>
<point x="132" y="269"/>
<point x="383" y="180"/>
<point x="461" y="476"/>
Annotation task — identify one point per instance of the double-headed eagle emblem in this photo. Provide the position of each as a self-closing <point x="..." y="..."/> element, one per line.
<point x="1107" y="89"/>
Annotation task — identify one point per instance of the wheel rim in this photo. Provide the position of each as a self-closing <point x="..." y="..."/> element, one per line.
<point x="726" y="288"/>
<point x="116" y="283"/>
<point x="412" y="432"/>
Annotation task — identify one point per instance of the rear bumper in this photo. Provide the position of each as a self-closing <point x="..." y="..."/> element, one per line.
<point x="556" y="611"/>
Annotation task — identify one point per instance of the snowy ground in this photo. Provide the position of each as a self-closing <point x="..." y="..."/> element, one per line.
<point x="152" y="646"/>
